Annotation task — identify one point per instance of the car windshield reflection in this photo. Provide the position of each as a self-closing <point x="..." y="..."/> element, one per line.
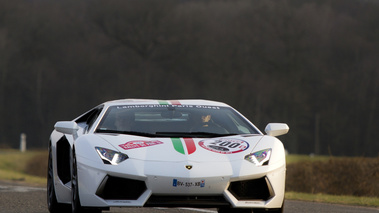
<point x="174" y="121"/>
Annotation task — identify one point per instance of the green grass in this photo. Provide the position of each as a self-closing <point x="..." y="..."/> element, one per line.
<point x="335" y="199"/>
<point x="22" y="178"/>
<point x="13" y="165"/>
<point x="323" y="197"/>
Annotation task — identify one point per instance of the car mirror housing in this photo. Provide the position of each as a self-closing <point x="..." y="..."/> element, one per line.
<point x="276" y="129"/>
<point x="67" y="127"/>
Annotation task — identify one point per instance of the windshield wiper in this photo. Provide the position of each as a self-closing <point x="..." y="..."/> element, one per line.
<point x="145" y="134"/>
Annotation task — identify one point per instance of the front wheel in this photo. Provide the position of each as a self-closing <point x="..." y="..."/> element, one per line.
<point x="76" y="207"/>
<point x="75" y="201"/>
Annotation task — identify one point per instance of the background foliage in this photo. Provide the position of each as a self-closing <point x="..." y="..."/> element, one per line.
<point x="336" y="176"/>
<point x="312" y="64"/>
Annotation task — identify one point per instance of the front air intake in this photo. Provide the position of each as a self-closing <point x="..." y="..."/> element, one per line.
<point x="114" y="188"/>
<point x="256" y="189"/>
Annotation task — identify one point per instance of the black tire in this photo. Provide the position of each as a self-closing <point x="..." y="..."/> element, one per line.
<point x="75" y="200"/>
<point x="76" y="207"/>
<point x="52" y="203"/>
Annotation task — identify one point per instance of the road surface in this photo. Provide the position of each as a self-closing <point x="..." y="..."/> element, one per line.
<point x="16" y="198"/>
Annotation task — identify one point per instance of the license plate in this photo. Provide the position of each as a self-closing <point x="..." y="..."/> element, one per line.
<point x="179" y="183"/>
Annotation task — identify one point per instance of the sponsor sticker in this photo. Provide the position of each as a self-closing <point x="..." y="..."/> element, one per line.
<point x="167" y="104"/>
<point x="188" y="184"/>
<point x="139" y="144"/>
<point x="224" y="145"/>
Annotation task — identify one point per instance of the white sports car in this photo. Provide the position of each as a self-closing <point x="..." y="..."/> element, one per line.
<point x="152" y="153"/>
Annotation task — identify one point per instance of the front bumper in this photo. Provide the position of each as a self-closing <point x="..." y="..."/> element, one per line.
<point x="213" y="184"/>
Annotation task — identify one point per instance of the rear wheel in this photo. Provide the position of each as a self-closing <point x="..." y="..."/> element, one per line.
<point x="53" y="205"/>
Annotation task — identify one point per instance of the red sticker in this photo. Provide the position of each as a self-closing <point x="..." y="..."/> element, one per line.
<point x="139" y="144"/>
<point x="224" y="145"/>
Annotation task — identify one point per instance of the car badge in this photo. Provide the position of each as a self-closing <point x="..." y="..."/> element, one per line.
<point x="189" y="167"/>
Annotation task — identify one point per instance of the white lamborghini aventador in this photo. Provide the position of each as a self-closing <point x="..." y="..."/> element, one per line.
<point x="153" y="153"/>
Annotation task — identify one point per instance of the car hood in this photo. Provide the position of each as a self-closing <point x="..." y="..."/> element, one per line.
<point x="184" y="149"/>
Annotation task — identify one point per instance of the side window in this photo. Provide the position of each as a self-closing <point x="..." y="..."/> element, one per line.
<point x="86" y="120"/>
<point x="92" y="118"/>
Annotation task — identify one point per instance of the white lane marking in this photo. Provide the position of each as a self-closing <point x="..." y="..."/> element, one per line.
<point x="20" y="188"/>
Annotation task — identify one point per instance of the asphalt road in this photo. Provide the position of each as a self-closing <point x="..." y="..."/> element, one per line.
<point x="15" y="198"/>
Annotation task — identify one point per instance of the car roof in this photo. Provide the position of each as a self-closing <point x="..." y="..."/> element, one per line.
<point x="165" y="102"/>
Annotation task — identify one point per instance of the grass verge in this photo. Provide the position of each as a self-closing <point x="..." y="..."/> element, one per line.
<point x="22" y="178"/>
<point x="335" y="199"/>
<point x="15" y="164"/>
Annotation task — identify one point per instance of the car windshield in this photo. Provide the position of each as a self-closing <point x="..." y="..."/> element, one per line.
<point x="174" y="121"/>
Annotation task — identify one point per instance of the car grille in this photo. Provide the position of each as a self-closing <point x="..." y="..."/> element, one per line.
<point x="188" y="201"/>
<point x="257" y="189"/>
<point x="114" y="188"/>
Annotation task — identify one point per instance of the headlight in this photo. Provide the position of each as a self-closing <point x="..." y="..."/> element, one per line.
<point x="259" y="158"/>
<point x="110" y="156"/>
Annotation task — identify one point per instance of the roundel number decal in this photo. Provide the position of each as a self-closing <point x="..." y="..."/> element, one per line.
<point x="224" y="145"/>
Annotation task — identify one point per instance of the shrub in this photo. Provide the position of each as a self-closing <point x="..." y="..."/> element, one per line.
<point x="37" y="165"/>
<point x="346" y="176"/>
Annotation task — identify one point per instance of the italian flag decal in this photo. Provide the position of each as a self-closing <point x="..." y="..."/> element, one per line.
<point x="172" y="102"/>
<point x="181" y="145"/>
<point x="184" y="145"/>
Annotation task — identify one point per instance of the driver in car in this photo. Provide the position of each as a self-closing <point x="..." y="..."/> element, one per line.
<point x="204" y="123"/>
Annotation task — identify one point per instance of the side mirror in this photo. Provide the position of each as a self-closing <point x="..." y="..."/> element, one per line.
<point x="67" y="127"/>
<point x="276" y="129"/>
